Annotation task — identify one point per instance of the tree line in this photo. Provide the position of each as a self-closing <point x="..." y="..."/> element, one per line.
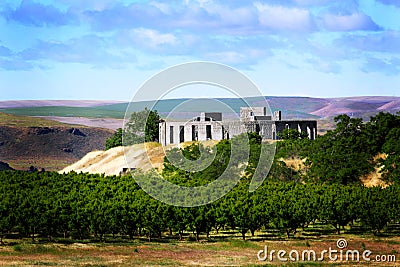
<point x="342" y="155"/>
<point x="353" y="149"/>
<point x="328" y="190"/>
<point x="91" y="206"/>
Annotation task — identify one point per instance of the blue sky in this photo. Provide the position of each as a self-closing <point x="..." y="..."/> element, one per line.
<point x="102" y="49"/>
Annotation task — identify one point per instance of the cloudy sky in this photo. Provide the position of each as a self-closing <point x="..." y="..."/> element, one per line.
<point x="103" y="49"/>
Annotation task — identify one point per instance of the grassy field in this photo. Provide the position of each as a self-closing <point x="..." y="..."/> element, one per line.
<point x="225" y="248"/>
<point x="24" y="121"/>
<point x="90" y="112"/>
<point x="292" y="107"/>
<point x="226" y="252"/>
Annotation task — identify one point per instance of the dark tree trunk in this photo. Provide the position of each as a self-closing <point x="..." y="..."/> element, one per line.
<point x="180" y="235"/>
<point x="33" y="234"/>
<point x="244" y="234"/>
<point x="288" y="233"/>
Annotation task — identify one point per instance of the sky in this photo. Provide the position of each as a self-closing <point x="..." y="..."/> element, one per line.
<point x="105" y="50"/>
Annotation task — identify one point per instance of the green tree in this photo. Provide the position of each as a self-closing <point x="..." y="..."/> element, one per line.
<point x="115" y="140"/>
<point x="152" y="129"/>
<point x="339" y="205"/>
<point x="142" y="127"/>
<point x="341" y="155"/>
<point x="286" y="203"/>
<point x="246" y="209"/>
<point x="292" y="134"/>
<point x="374" y="208"/>
<point x="201" y="220"/>
<point x="378" y="128"/>
<point x="391" y="165"/>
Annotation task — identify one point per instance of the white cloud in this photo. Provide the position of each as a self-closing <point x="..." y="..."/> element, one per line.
<point x="165" y="8"/>
<point x="313" y="2"/>
<point x="245" y="58"/>
<point x="324" y="65"/>
<point x="153" y="38"/>
<point x="239" y="17"/>
<point x="280" y="18"/>
<point x="352" y="22"/>
<point x="88" y="4"/>
<point x="388" y="66"/>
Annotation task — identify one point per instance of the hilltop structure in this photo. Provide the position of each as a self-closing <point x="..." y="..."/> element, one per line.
<point x="211" y="126"/>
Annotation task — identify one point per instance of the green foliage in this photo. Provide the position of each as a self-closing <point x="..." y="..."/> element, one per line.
<point x="378" y="128"/>
<point x="292" y="134"/>
<point x="93" y="206"/>
<point x="374" y="211"/>
<point x="115" y="140"/>
<point x="391" y="165"/>
<point x="339" y="205"/>
<point x="141" y="127"/>
<point x="281" y="172"/>
<point x="341" y="155"/>
<point x="297" y="148"/>
<point x="151" y="128"/>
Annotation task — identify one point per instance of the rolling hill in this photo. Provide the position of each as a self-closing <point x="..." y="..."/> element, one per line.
<point x="292" y="107"/>
<point x="47" y="133"/>
<point x="26" y="141"/>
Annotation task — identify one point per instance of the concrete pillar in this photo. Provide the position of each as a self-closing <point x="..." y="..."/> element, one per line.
<point x="201" y="132"/>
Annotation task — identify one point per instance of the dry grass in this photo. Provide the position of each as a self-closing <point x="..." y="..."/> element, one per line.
<point x="50" y="163"/>
<point x="112" y="161"/>
<point x="371" y="179"/>
<point x="24" y="121"/>
<point x="296" y="164"/>
<point x="233" y="252"/>
<point x="375" y="177"/>
<point x="144" y="156"/>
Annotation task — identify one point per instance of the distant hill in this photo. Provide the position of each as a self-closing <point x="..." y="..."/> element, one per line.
<point x="26" y="141"/>
<point x="26" y="121"/>
<point x="361" y="106"/>
<point x="292" y="107"/>
<point x="56" y="103"/>
<point x="51" y="144"/>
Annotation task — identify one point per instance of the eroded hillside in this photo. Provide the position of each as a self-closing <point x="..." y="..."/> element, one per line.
<point x="51" y="148"/>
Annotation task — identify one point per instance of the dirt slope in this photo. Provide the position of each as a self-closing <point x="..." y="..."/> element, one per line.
<point x="112" y="161"/>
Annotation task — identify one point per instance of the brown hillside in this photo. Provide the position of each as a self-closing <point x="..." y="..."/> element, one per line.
<point x="141" y="156"/>
<point x="111" y="162"/>
<point x="51" y="148"/>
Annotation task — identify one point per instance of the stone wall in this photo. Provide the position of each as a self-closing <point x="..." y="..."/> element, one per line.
<point x="178" y="132"/>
